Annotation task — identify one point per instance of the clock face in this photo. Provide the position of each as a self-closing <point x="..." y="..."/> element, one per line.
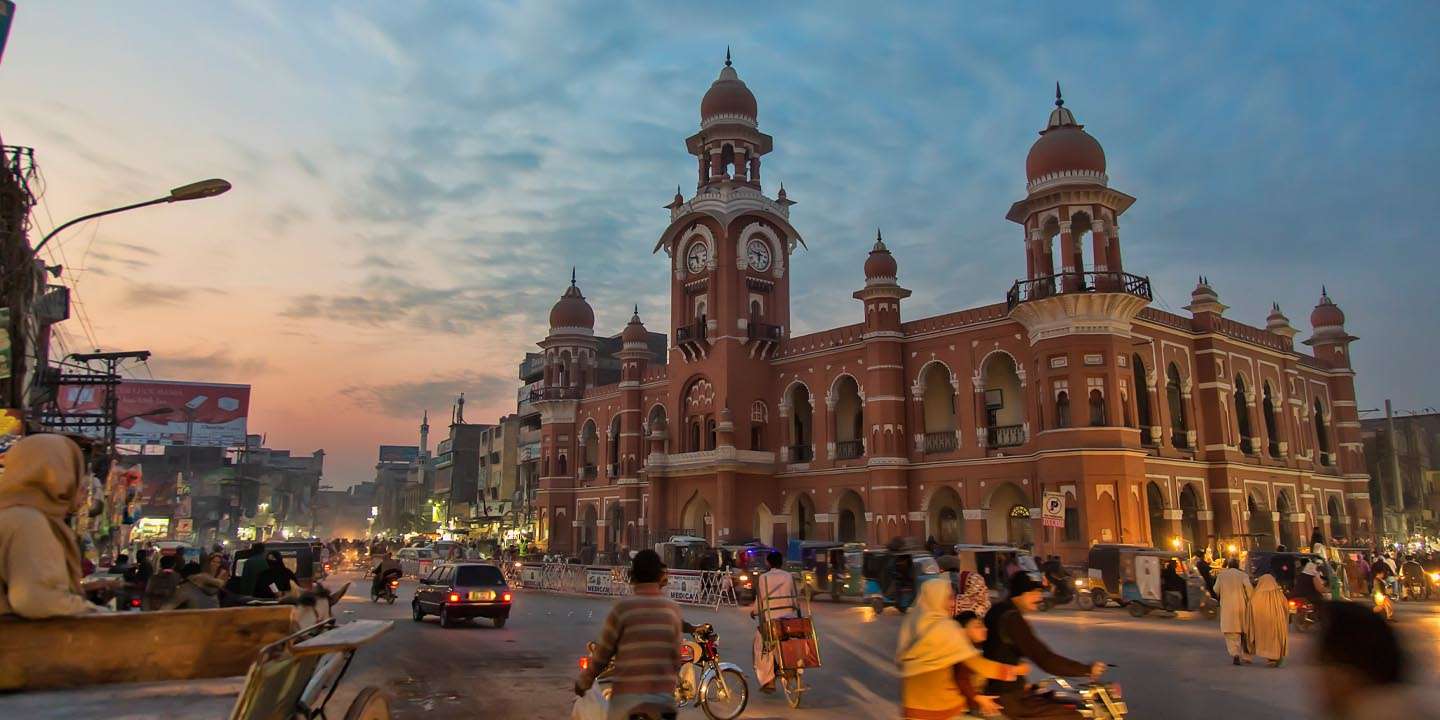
<point x="695" y="257"/>
<point x="759" y="254"/>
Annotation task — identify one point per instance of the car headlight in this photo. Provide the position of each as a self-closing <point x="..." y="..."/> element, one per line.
<point x="1435" y="576"/>
<point x="1079" y="583"/>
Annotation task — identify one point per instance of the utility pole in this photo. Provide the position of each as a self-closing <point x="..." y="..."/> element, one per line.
<point x="1395" y="468"/>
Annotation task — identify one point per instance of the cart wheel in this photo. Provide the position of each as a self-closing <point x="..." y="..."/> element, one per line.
<point x="1099" y="598"/>
<point x="1136" y="609"/>
<point x="793" y="683"/>
<point x="369" y="704"/>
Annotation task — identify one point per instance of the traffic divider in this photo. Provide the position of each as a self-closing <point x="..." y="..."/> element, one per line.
<point x="708" y="588"/>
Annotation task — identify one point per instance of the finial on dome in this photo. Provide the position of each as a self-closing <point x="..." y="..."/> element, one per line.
<point x="637" y="309"/>
<point x="1059" y="101"/>
<point x="572" y="276"/>
<point x="727" y="56"/>
<point x="879" y="241"/>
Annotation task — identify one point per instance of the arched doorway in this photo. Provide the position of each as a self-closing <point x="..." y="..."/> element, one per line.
<point x="850" y="518"/>
<point x="802" y="521"/>
<point x="1286" y="507"/>
<point x="1322" y="436"/>
<point x="615" y="528"/>
<point x="1332" y="508"/>
<point x="945" y="513"/>
<point x="1007" y="521"/>
<point x="589" y="526"/>
<point x="1175" y="400"/>
<point x="693" y="518"/>
<point x="802" y="434"/>
<point x="764" y="529"/>
<point x="1272" y="428"/>
<point x="590" y="445"/>
<point x="1260" y="523"/>
<point x="1155" y="505"/>
<point x="1242" y="415"/>
<point x="1190" y="517"/>
<point x="938" y="409"/>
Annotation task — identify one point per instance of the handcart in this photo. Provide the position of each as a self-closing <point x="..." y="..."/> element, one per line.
<point x="795" y="645"/>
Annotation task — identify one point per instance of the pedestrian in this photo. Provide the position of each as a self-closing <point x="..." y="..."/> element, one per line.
<point x="160" y="589"/>
<point x="40" y="573"/>
<point x="1271" y="613"/>
<point x="1317" y="543"/>
<point x="1362" y="667"/>
<point x="642" y="636"/>
<point x="776" y="598"/>
<point x="971" y="594"/>
<point x="1232" y="586"/>
<point x="1202" y="566"/>
<point x="938" y="662"/>
<point x="276" y="580"/>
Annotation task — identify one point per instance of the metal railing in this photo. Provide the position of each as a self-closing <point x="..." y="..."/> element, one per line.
<point x="940" y="442"/>
<point x="1077" y="282"/>
<point x="849" y="449"/>
<point x="762" y="331"/>
<point x="587" y="473"/>
<point x="556" y="393"/>
<point x="694" y="332"/>
<point x="1178" y="438"/>
<point x="1147" y="438"/>
<point x="1247" y="445"/>
<point x="1004" y="436"/>
<point x="1274" y="448"/>
<point x="801" y="453"/>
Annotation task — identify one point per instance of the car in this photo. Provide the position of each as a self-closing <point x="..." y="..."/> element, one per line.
<point x="462" y="591"/>
<point x="416" y="562"/>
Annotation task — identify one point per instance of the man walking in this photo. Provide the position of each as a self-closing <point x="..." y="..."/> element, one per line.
<point x="642" y="635"/>
<point x="1233" y="588"/>
<point x="775" y="598"/>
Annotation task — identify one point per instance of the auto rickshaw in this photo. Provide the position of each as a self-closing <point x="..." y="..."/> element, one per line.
<point x="1284" y="566"/>
<point x="990" y="562"/>
<point x="1144" y="590"/>
<point x="892" y="577"/>
<point x="683" y="552"/>
<point x="843" y="576"/>
<point x="809" y="562"/>
<point x="745" y="562"/>
<point x="1130" y="575"/>
<point x="298" y="556"/>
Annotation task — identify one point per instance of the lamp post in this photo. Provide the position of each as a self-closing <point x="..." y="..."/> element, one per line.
<point x="193" y="191"/>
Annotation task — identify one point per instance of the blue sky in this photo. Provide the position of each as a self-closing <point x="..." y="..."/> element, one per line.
<point x="414" y="180"/>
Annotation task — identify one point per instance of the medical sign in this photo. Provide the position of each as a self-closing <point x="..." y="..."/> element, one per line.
<point x="684" y="586"/>
<point x="598" y="580"/>
<point x="1052" y="510"/>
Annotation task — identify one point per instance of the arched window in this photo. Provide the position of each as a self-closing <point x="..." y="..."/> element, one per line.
<point x="727" y="159"/>
<point x="615" y="527"/>
<point x="756" y="315"/>
<point x="801" y="425"/>
<point x="938" y="401"/>
<point x="1260" y="523"/>
<point x="1322" y="436"/>
<point x="945" y="513"/>
<point x="1242" y="415"/>
<point x="1142" y="402"/>
<point x="1336" y="517"/>
<point x="804" y="517"/>
<point x="1155" y="504"/>
<point x="1004" y="404"/>
<point x="1190" y="515"/>
<point x="849" y="420"/>
<point x="851" y="520"/>
<point x="1062" y="409"/>
<point x="658" y="424"/>
<point x="759" y="417"/>
<point x="589" y="450"/>
<point x="613" y="441"/>
<point x="710" y="433"/>
<point x="1097" y="408"/>
<point x="1286" y="508"/>
<point x="1272" y="429"/>
<point x="560" y="463"/>
<point x="695" y="445"/>
<point x="1175" y="398"/>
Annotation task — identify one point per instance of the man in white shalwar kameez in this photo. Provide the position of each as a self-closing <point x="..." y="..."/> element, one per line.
<point x="1233" y="588"/>
<point x="775" y="597"/>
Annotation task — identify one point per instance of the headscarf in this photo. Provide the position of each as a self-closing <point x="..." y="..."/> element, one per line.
<point x="930" y="639"/>
<point x="1272" y="617"/>
<point x="44" y="472"/>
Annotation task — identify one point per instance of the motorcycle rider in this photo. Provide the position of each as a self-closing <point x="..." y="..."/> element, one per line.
<point x="642" y="635"/>
<point x="385" y="569"/>
<point x="775" y="598"/>
<point x="1012" y="640"/>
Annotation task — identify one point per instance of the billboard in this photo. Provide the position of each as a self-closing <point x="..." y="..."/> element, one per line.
<point x="399" y="453"/>
<point x="161" y="412"/>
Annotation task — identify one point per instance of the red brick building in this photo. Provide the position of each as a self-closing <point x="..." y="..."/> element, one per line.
<point x="1153" y="425"/>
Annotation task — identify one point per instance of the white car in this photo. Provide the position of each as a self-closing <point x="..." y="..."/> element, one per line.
<point x="416" y="562"/>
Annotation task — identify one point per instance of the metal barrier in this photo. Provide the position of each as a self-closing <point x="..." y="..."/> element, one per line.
<point x="707" y="588"/>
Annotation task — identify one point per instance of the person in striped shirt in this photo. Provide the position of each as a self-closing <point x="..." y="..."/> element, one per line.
<point x="642" y="636"/>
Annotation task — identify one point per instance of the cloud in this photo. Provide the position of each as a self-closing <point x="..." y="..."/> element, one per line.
<point x="411" y="398"/>
<point x="216" y="365"/>
<point x="143" y="293"/>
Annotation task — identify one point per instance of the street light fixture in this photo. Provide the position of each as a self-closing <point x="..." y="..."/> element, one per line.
<point x="193" y="191"/>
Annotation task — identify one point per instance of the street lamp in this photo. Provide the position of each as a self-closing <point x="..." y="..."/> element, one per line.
<point x="193" y="191"/>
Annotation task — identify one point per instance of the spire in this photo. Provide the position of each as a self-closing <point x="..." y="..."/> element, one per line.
<point x="879" y="242"/>
<point x="572" y="276"/>
<point x="637" y="309"/>
<point x="727" y="56"/>
<point x="1059" y="101"/>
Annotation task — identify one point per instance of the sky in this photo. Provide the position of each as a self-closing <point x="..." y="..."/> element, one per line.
<point x="413" y="181"/>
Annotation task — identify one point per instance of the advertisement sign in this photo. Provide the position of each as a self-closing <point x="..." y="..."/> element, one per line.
<point x="598" y="580"/>
<point x="684" y="586"/>
<point x="399" y="453"/>
<point x="1052" y="510"/>
<point x="158" y="412"/>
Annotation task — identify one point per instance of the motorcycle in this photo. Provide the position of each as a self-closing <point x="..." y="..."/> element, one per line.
<point x="389" y="585"/>
<point x="1059" y="590"/>
<point x="1302" y="614"/>
<point x="1384" y="605"/>
<point x="1099" y="700"/>
<point x="717" y="688"/>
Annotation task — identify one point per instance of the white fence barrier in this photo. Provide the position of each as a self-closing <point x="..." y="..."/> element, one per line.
<point x="710" y="588"/>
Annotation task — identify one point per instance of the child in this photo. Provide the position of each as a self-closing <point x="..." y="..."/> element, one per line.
<point x="974" y="627"/>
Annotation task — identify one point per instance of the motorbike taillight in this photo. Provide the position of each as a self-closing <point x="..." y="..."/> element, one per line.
<point x="585" y="663"/>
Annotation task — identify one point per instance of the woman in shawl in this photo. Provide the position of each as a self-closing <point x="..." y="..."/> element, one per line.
<point x="39" y="553"/>
<point x="276" y="580"/>
<point x="931" y="645"/>
<point x="1271" y="614"/>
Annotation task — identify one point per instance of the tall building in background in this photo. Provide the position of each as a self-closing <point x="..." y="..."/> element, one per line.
<point x="1403" y="457"/>
<point x="1128" y="423"/>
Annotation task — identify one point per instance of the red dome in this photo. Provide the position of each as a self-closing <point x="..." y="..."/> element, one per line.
<point x="728" y="96"/>
<point x="1063" y="147"/>
<point x="1326" y="313"/>
<point x="880" y="264"/>
<point x="571" y="311"/>
<point x="635" y="331"/>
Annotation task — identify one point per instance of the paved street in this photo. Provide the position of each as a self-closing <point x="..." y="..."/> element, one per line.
<point x="1169" y="668"/>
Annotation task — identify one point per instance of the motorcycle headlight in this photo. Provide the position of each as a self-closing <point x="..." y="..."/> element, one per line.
<point x="1079" y="583"/>
<point x="1435" y="576"/>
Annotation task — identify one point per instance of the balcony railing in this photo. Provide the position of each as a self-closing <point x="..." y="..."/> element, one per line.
<point x="1148" y="438"/>
<point x="801" y="453"/>
<point x="613" y="470"/>
<point x="1004" y="436"/>
<point x="1275" y="448"/>
<point x="1247" y="445"/>
<point x="762" y="331"/>
<point x="940" y="442"/>
<point x="587" y="473"/>
<point x="849" y="449"/>
<point x="1077" y="282"/>
<point x="694" y="332"/>
<point x="1179" y="439"/>
<point x="556" y="393"/>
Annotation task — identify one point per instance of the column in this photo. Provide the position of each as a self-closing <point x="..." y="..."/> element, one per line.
<point x="1069" y="250"/>
<point x="1112" y="256"/>
<point x="1100" y="244"/>
<point x="724" y="511"/>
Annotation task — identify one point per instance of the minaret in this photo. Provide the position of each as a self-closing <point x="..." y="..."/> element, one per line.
<point x="570" y="364"/>
<point x="425" y="434"/>
<point x="886" y="450"/>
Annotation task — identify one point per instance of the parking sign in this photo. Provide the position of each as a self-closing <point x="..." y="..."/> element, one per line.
<point x="1052" y="510"/>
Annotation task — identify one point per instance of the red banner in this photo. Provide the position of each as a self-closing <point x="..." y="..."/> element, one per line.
<point x="155" y="412"/>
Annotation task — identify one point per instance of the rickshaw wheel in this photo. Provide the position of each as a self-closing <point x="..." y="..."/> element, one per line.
<point x="877" y="605"/>
<point x="1136" y="609"/>
<point x="1099" y="598"/>
<point x="1085" y="601"/>
<point x="369" y="704"/>
<point x="793" y="683"/>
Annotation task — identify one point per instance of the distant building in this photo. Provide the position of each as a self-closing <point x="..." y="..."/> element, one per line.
<point x="457" y="475"/>
<point x="1412" y="504"/>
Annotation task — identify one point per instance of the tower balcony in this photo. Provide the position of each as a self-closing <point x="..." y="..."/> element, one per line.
<point x="556" y="393"/>
<point x="1024" y="291"/>
<point x="692" y="333"/>
<point x="763" y="331"/>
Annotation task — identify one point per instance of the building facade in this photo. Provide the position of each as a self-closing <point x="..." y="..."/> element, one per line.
<point x="1151" y="425"/>
<point x="1403" y="456"/>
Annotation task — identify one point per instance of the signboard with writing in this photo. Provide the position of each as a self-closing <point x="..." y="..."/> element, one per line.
<point x="1052" y="510"/>
<point x="598" y="580"/>
<point x="685" y="586"/>
<point x="530" y="575"/>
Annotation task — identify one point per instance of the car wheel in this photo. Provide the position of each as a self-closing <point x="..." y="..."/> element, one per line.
<point x="416" y="613"/>
<point x="445" y="621"/>
<point x="500" y="622"/>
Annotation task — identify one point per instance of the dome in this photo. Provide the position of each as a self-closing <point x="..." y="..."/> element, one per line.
<point x="571" y="310"/>
<point x="635" y="331"/>
<point x="1064" y="148"/>
<point x="880" y="265"/>
<point x="728" y="98"/>
<point x="1326" y="313"/>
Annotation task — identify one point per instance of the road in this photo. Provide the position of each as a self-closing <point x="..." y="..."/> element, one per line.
<point x="1174" y="668"/>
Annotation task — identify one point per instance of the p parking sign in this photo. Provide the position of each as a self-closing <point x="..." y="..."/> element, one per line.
<point x="1052" y="510"/>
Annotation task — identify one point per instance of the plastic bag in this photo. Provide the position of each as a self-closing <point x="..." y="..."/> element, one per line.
<point x="590" y="706"/>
